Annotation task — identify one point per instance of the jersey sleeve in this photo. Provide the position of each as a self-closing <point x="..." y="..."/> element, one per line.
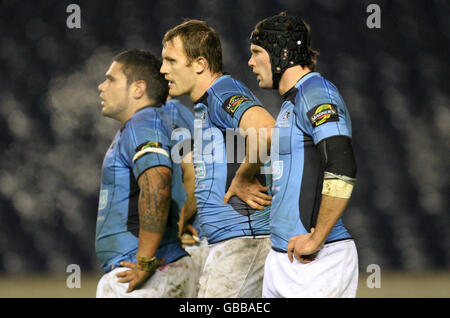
<point x="146" y="145"/>
<point x="228" y="111"/>
<point x="322" y="113"/>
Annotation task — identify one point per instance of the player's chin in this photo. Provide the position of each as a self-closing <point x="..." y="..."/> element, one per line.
<point x="107" y="113"/>
<point x="174" y="92"/>
<point x="264" y="85"/>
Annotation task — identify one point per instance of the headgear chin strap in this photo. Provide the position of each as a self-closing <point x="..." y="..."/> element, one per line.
<point x="286" y="39"/>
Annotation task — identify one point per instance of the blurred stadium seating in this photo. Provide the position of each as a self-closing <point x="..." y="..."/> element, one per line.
<point x="395" y="81"/>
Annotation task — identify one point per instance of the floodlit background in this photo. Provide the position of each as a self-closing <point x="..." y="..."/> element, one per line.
<point x="395" y="81"/>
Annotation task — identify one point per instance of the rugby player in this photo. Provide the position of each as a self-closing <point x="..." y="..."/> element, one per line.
<point x="141" y="190"/>
<point x="313" y="168"/>
<point x="231" y="195"/>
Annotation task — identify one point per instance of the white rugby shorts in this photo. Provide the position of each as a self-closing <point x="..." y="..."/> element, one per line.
<point x="174" y="280"/>
<point x="199" y="253"/>
<point x="333" y="273"/>
<point x="235" y="268"/>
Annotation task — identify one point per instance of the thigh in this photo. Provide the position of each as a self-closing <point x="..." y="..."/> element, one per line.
<point x="350" y="275"/>
<point x="253" y="284"/>
<point x="268" y="288"/>
<point x="232" y="266"/>
<point x="198" y="256"/>
<point x="177" y="279"/>
<point x="109" y="286"/>
<point x="326" y="276"/>
<point x="103" y="288"/>
<point x="199" y="253"/>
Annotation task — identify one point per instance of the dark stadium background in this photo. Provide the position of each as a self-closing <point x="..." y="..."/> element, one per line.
<point x="395" y="81"/>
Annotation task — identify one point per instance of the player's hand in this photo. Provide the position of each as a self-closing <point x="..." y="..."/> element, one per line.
<point x="251" y="192"/>
<point x="303" y="247"/>
<point x="135" y="277"/>
<point x="189" y="235"/>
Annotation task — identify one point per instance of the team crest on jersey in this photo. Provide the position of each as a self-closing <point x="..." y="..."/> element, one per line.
<point x="103" y="199"/>
<point x="286" y="115"/>
<point x="277" y="169"/>
<point x="322" y="114"/>
<point x="233" y="103"/>
<point x="284" y="120"/>
<point x="200" y="170"/>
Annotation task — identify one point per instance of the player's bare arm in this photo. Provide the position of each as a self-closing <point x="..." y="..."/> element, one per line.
<point x="190" y="206"/>
<point x="244" y="184"/>
<point x="154" y="204"/>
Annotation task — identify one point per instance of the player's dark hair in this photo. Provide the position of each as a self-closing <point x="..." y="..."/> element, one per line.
<point x="199" y="39"/>
<point x="143" y="65"/>
<point x="311" y="55"/>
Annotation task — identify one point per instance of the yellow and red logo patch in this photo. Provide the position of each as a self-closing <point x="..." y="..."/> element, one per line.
<point x="233" y="103"/>
<point x="148" y="144"/>
<point x="323" y="113"/>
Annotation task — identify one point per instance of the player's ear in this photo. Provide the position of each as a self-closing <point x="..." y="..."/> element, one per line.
<point x="138" y="89"/>
<point x="200" y="65"/>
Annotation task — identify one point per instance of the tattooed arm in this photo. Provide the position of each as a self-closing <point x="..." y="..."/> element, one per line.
<point x="155" y="186"/>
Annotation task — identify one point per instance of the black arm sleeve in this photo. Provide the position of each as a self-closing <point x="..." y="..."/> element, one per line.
<point x="336" y="155"/>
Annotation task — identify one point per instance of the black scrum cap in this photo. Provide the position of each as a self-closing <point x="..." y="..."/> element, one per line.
<point x="286" y="39"/>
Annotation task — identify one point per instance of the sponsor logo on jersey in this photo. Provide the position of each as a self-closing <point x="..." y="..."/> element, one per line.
<point x="103" y="201"/>
<point x="149" y="147"/>
<point x="148" y="144"/>
<point x="322" y="114"/>
<point x="233" y="103"/>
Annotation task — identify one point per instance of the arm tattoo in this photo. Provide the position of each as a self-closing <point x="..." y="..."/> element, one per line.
<point x="154" y="199"/>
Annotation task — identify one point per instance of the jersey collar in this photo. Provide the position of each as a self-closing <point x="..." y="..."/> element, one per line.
<point x="152" y="105"/>
<point x="306" y="77"/>
<point x="293" y="90"/>
<point x="157" y="105"/>
<point x="205" y="95"/>
<point x="286" y="96"/>
<point x="202" y="99"/>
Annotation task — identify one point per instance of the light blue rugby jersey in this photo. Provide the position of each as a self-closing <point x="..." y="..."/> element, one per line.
<point x="118" y="217"/>
<point x="179" y="116"/>
<point x="218" y="110"/>
<point x="312" y="110"/>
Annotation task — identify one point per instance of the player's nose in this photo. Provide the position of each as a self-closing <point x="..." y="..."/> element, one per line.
<point x="251" y="62"/>
<point x="163" y="70"/>
<point x="100" y="86"/>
